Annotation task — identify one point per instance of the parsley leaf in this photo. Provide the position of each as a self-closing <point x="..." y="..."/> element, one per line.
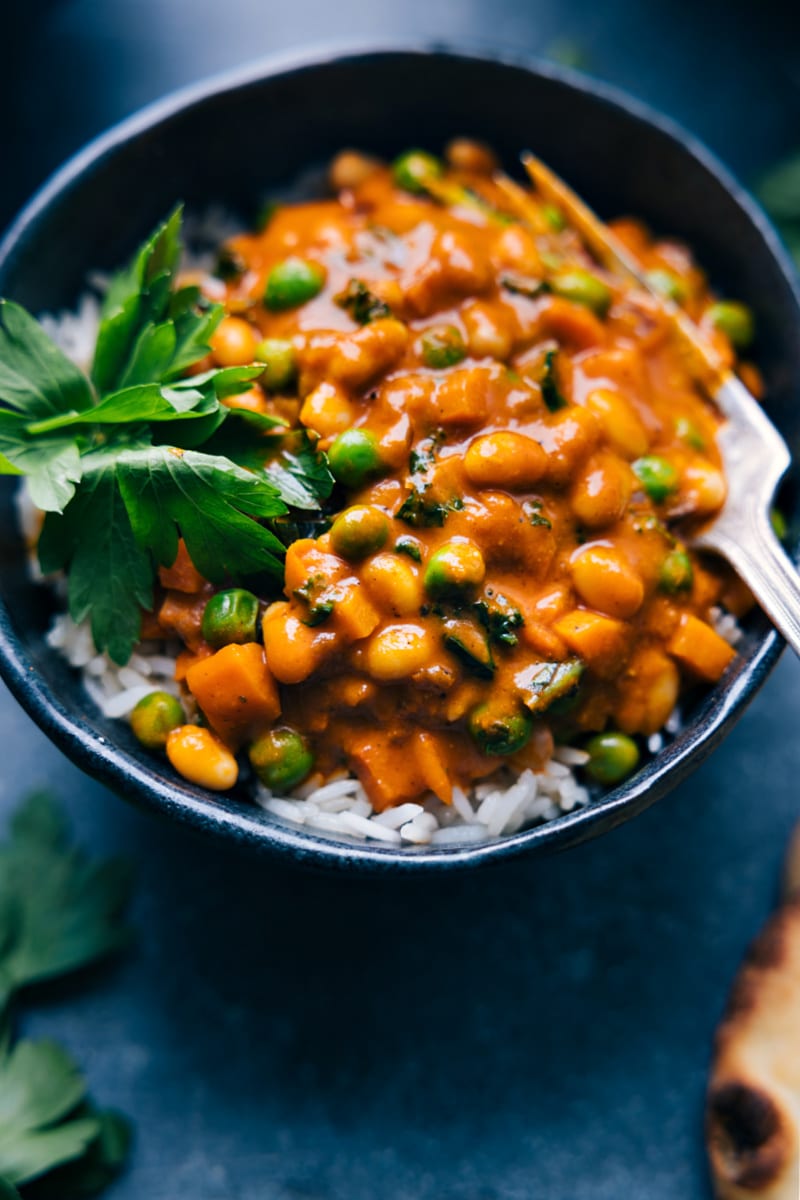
<point x="58" y="911"/>
<point x="302" y="477"/>
<point x="52" y="464"/>
<point x="362" y="304"/>
<point x="209" y="500"/>
<point x="36" y="378"/>
<point x="149" y="333"/>
<point x="110" y="576"/>
<point x="148" y="455"/>
<point x="551" y="392"/>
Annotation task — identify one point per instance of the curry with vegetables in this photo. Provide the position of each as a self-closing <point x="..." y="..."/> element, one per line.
<point x="514" y="436"/>
<point x="484" y="452"/>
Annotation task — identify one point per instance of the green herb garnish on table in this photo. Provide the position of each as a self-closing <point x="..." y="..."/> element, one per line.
<point x="125" y="460"/>
<point x="59" y="912"/>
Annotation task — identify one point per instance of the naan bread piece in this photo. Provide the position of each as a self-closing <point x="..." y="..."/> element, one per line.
<point x="753" y="1103"/>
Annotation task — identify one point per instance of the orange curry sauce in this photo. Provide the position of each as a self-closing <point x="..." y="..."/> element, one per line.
<point x="522" y="461"/>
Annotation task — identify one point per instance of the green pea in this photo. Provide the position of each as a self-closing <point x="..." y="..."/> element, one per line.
<point x="668" y="284"/>
<point x="612" y="757"/>
<point x="779" y="525"/>
<point x="499" y="732"/>
<point x="359" y="531"/>
<point x="280" y="370"/>
<point x="230" y="617"/>
<point x="281" y="758"/>
<point x="154" y="717"/>
<point x="454" y="571"/>
<point x="354" y="457"/>
<point x="442" y="347"/>
<point x="414" y="167"/>
<point x="675" y="573"/>
<point x="581" y="287"/>
<point x="658" y="477"/>
<point x="688" y="432"/>
<point x="735" y="320"/>
<point x="554" y="217"/>
<point x="293" y="282"/>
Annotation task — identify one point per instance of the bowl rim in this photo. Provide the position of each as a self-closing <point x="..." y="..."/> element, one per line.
<point x="107" y="762"/>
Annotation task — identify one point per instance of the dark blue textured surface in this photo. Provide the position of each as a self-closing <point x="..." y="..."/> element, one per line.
<point x="542" y="1030"/>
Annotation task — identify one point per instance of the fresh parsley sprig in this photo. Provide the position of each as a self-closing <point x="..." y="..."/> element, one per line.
<point x="138" y="454"/>
<point x="58" y="912"/>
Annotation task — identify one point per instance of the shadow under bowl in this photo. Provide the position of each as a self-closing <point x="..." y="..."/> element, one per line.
<point x="235" y="139"/>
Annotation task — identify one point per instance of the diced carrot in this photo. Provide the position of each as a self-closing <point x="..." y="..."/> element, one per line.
<point x="543" y="640"/>
<point x="572" y="323"/>
<point x="183" y="575"/>
<point x="182" y="613"/>
<point x="706" y="588"/>
<point x="737" y="597"/>
<point x="385" y="763"/>
<point x="151" y="627"/>
<point x="235" y="690"/>
<point x="601" y="642"/>
<point x="354" y="613"/>
<point x="700" y="648"/>
<point x="304" y="559"/>
<point x="460" y="398"/>
<point x="187" y="659"/>
<point x="431" y="766"/>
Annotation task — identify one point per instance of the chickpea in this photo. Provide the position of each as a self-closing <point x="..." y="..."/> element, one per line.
<point x="397" y="651"/>
<point x="600" y="495"/>
<point x="464" y="154"/>
<point x="328" y="410"/>
<point x="234" y="342"/>
<point x="704" y="488"/>
<point x="253" y="400"/>
<point x="572" y="435"/>
<point x="505" y="459"/>
<point x="154" y="718"/>
<point x="199" y="756"/>
<point x="281" y="758"/>
<point x="455" y="570"/>
<point x="650" y="692"/>
<point x="489" y="333"/>
<point x="350" y="169"/>
<point x="605" y="580"/>
<point x="623" y="430"/>
<point x="359" y="531"/>
<point x="516" y="247"/>
<point x="370" y="351"/>
<point x="293" y="650"/>
<point x="394" y="584"/>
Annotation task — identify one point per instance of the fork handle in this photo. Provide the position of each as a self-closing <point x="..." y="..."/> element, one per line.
<point x="757" y="555"/>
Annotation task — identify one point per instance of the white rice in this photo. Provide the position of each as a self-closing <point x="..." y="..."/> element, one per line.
<point x="339" y="806"/>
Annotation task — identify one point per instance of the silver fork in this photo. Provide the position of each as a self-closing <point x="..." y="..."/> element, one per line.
<point x="754" y="455"/>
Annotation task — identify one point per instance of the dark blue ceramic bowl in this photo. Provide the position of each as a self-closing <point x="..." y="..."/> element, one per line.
<point x="231" y="141"/>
